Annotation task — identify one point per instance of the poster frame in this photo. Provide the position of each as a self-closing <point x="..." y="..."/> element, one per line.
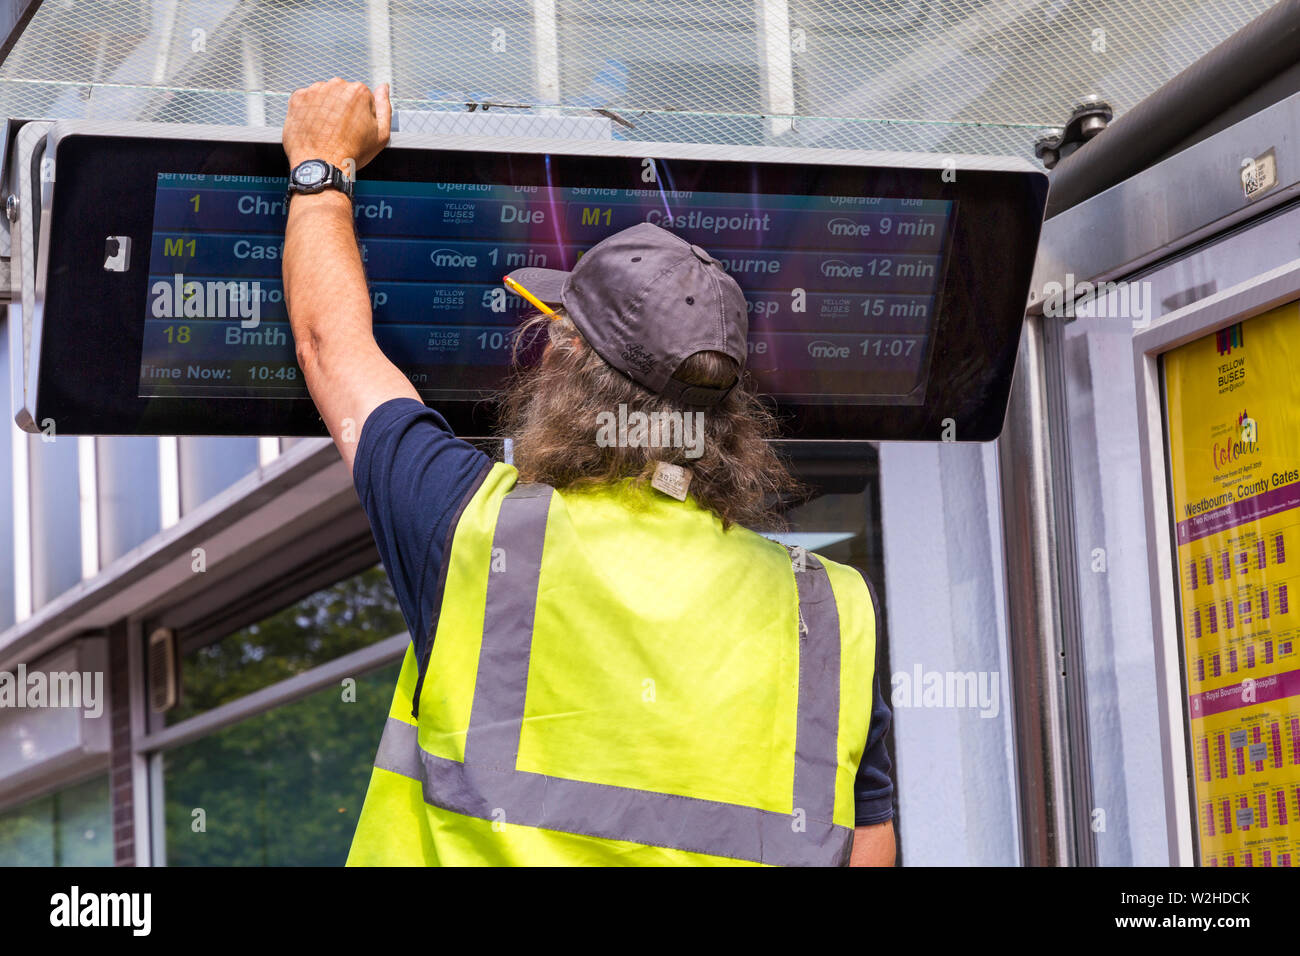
<point x="1228" y="307"/>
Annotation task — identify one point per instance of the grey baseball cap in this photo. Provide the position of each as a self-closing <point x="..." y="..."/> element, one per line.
<point x="646" y="300"/>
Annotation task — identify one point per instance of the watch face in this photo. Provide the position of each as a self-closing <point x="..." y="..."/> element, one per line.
<point x="311" y="173"/>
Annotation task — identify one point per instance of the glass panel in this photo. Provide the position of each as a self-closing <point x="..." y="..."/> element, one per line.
<point x="128" y="494"/>
<point x="71" y="827"/>
<point x="345" y="617"/>
<point x="314" y="42"/>
<point x="680" y="77"/>
<point x="966" y="77"/>
<point x="56" y="516"/>
<point x="282" y="788"/>
<point x="944" y="593"/>
<point x="1114" y="605"/>
<point x="495" y="65"/>
<point x="211" y="465"/>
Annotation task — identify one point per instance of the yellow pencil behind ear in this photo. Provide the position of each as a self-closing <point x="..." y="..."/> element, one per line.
<point x="512" y="284"/>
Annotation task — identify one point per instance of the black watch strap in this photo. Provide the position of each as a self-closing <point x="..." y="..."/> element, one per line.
<point x="334" y="179"/>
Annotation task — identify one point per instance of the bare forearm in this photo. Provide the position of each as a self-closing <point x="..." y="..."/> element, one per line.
<point x="329" y="311"/>
<point x="347" y="374"/>
<point x="324" y="282"/>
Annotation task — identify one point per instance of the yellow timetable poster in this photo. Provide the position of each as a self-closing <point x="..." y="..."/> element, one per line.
<point x="1234" y="452"/>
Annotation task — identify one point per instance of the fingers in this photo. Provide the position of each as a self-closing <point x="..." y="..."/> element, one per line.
<point x="338" y="118"/>
<point x="383" y="112"/>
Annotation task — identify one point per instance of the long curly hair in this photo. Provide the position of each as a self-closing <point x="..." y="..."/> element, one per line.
<point x="552" y="411"/>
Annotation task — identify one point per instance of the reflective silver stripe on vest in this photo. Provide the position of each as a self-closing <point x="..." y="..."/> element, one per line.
<point x="497" y="712"/>
<point x="488" y="785"/>
<point x="613" y="813"/>
<point x="816" y="751"/>
<point x="397" y="749"/>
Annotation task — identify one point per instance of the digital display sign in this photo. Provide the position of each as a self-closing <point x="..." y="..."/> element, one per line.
<point x="886" y="292"/>
<point x="842" y="290"/>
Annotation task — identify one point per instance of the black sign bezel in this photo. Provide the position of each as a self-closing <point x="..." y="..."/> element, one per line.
<point x="87" y="372"/>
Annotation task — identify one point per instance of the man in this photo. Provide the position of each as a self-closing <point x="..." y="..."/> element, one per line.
<point x="607" y="665"/>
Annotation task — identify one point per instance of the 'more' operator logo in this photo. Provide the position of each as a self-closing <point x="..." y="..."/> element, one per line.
<point x="1237" y="442"/>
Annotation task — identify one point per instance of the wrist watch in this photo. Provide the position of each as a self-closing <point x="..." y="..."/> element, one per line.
<point x="316" y="175"/>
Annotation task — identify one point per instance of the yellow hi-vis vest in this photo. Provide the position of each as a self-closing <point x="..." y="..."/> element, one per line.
<point x="615" y="680"/>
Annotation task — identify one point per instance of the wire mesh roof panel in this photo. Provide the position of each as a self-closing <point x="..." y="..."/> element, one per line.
<point x="949" y="76"/>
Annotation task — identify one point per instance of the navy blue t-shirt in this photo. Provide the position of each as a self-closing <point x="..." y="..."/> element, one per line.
<point x="414" y="478"/>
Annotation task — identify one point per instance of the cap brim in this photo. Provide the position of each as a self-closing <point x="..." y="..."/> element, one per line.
<point x="546" y="284"/>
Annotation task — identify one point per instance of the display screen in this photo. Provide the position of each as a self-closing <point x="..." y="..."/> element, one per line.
<point x="843" y="291"/>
